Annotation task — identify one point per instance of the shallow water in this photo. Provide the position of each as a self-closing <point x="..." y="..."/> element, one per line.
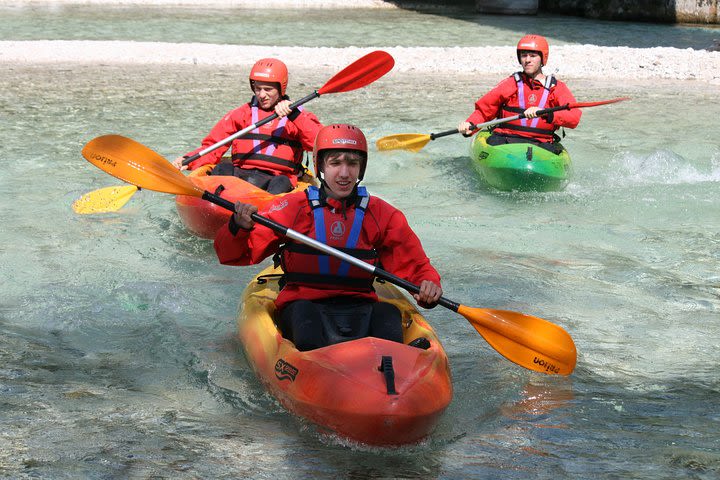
<point x="332" y="28"/>
<point x="117" y="348"/>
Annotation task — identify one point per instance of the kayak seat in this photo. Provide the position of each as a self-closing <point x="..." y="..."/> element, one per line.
<point x="314" y="324"/>
<point x="344" y="322"/>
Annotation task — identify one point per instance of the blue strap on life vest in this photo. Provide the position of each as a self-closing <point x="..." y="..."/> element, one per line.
<point x="313" y="194"/>
<point x="356" y="226"/>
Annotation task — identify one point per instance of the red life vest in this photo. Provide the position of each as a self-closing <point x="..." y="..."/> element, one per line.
<point x="342" y="230"/>
<point x="268" y="147"/>
<point x="535" y="96"/>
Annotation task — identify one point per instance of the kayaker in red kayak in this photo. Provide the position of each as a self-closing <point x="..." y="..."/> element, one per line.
<point x="269" y="157"/>
<point x="324" y="300"/>
<point x="526" y="92"/>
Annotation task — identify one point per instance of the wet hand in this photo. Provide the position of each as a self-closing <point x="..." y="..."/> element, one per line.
<point x="242" y="217"/>
<point x="465" y="128"/>
<point x="178" y="163"/>
<point x="531" y="112"/>
<point x="429" y="294"/>
<point x="283" y="108"/>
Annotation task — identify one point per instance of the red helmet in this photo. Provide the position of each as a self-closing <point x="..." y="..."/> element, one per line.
<point x="339" y="137"/>
<point x="534" y="43"/>
<point x="270" y="70"/>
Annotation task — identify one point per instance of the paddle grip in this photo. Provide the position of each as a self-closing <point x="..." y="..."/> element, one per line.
<point x="246" y="130"/>
<point x="412" y="288"/>
<point x="433" y="136"/>
<point x="228" y="205"/>
<point x="218" y="200"/>
<point x="553" y="109"/>
<point x="271" y="224"/>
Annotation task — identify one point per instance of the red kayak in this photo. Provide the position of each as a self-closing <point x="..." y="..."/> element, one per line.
<point x="369" y="390"/>
<point x="203" y="218"/>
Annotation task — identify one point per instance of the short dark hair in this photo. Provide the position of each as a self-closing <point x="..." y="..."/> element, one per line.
<point x="353" y="154"/>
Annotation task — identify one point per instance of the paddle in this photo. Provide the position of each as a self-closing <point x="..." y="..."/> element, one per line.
<point x="528" y="341"/>
<point x="358" y="74"/>
<point x="414" y="142"/>
<point x="108" y="199"/>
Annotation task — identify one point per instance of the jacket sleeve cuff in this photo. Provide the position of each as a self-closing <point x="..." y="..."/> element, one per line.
<point x="235" y="228"/>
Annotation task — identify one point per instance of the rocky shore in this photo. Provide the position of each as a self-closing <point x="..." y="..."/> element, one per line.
<point x="568" y="61"/>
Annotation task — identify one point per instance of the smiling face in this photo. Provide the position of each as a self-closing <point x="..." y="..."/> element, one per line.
<point x="267" y="94"/>
<point x="531" y="62"/>
<point x="341" y="169"/>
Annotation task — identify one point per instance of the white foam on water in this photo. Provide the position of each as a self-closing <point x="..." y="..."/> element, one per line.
<point x="661" y="167"/>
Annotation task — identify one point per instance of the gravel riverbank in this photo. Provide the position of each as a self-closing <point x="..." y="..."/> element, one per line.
<point x="568" y="61"/>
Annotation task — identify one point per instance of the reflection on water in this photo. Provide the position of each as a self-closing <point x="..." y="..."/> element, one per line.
<point x="539" y="400"/>
<point x="117" y="350"/>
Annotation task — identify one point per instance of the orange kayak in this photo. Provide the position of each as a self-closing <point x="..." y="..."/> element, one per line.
<point x="371" y="391"/>
<point x="203" y="218"/>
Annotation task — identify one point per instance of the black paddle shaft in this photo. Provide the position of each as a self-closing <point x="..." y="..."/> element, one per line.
<point x="292" y="234"/>
<point x="245" y="130"/>
<point x="498" y="121"/>
<point x="433" y="136"/>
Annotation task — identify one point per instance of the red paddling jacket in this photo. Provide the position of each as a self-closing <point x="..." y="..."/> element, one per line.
<point x="517" y="93"/>
<point x="364" y="226"/>
<point x="275" y="147"/>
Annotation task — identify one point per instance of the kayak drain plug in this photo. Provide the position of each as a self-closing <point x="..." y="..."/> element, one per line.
<point x="386" y="367"/>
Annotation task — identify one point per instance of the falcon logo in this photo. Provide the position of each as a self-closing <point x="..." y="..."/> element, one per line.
<point x="96" y="158"/>
<point x="549" y="367"/>
<point x="285" y="371"/>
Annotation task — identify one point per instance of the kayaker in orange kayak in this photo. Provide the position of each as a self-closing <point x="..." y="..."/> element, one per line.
<point x="269" y="157"/>
<point x="325" y="300"/>
<point x="526" y="92"/>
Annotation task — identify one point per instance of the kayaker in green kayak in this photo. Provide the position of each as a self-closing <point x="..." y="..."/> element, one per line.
<point x="526" y="92"/>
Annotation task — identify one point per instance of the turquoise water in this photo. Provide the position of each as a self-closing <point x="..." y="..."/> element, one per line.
<point x="117" y="349"/>
<point x="331" y="28"/>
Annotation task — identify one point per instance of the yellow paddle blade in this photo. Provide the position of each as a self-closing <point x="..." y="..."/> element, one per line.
<point x="135" y="163"/>
<point x="108" y="199"/>
<point x="529" y="341"/>
<point x="413" y="142"/>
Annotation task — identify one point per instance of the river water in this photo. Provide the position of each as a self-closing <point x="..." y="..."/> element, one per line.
<point x="117" y="350"/>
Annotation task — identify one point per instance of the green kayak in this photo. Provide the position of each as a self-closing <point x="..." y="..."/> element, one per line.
<point x="520" y="166"/>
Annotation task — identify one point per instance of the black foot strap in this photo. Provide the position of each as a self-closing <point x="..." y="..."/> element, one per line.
<point x="386" y="367"/>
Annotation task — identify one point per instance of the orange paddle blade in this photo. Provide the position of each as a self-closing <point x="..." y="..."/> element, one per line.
<point x="361" y="72"/>
<point x="108" y="199"/>
<point x="528" y="341"/>
<point x="135" y="163"/>
<point x="403" y="141"/>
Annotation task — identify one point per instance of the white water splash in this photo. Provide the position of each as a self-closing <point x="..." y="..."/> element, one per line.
<point x="663" y="167"/>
